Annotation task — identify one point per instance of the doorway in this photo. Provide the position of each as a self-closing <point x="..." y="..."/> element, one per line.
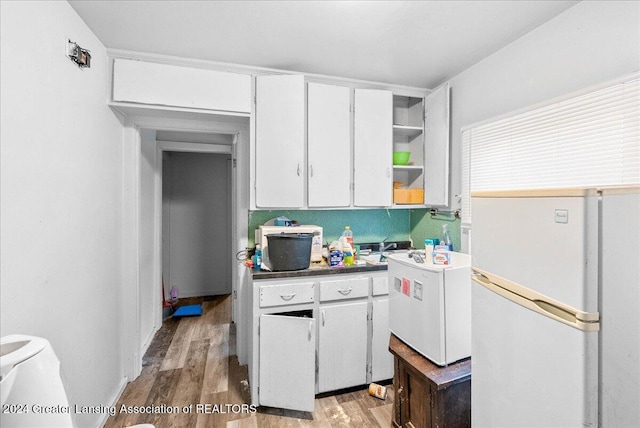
<point x="196" y="219"/>
<point x="146" y="139"/>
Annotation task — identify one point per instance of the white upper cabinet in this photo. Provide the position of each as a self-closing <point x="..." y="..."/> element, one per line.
<point x="437" y="147"/>
<point x="280" y="141"/>
<point x="157" y="84"/>
<point x="329" y="145"/>
<point x="373" y="140"/>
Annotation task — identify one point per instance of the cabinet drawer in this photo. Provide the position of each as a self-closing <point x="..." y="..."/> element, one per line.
<point x="286" y="294"/>
<point x="344" y="289"/>
<point x="380" y="286"/>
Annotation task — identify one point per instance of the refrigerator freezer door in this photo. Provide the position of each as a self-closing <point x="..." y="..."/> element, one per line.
<point x="547" y="244"/>
<point x="529" y="370"/>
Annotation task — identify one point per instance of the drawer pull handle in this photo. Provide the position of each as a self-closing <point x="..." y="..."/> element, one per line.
<point x="345" y="291"/>
<point x="310" y="325"/>
<point x="287" y="297"/>
<point x="323" y="317"/>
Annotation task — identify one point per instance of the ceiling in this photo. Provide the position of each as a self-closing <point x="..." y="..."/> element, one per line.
<point x="411" y="43"/>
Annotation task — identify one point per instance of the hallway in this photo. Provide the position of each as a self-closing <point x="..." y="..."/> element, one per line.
<point x="192" y="362"/>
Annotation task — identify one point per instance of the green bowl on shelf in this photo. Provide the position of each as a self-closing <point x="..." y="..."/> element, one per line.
<point x="401" y="158"/>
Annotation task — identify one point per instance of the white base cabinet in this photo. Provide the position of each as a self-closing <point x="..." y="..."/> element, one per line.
<point x="342" y="346"/>
<point x="315" y="334"/>
<point x="287" y="361"/>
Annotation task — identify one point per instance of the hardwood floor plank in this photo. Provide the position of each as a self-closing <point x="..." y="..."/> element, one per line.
<point x="383" y="414"/>
<point x="177" y="352"/>
<point x="189" y="386"/>
<point x="216" y="374"/>
<point x="249" y="422"/>
<point x="216" y="415"/>
<point x="336" y="415"/>
<point x="161" y="394"/>
<point x="358" y="415"/>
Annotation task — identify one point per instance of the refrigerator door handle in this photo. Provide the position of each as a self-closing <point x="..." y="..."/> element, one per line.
<point x="585" y="321"/>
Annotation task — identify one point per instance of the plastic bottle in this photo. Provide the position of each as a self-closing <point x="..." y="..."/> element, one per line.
<point x="347" y="251"/>
<point x="428" y="250"/>
<point x="446" y="239"/>
<point x="347" y="236"/>
<point x="257" y="257"/>
<point x="336" y="257"/>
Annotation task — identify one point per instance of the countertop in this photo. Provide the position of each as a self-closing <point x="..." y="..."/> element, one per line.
<point x="319" y="268"/>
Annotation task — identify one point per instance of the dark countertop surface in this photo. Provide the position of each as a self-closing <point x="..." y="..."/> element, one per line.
<point x="320" y="268"/>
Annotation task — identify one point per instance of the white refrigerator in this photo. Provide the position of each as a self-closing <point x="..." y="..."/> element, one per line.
<point x="555" y="308"/>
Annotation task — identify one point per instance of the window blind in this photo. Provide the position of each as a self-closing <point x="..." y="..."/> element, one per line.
<point x="586" y="139"/>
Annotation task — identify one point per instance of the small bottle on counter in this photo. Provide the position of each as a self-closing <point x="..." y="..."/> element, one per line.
<point x="336" y="256"/>
<point x="347" y="254"/>
<point x="347" y="236"/>
<point x="428" y="250"/>
<point x="257" y="257"/>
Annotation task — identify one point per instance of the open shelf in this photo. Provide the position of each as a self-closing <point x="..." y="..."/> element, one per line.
<point x="406" y="130"/>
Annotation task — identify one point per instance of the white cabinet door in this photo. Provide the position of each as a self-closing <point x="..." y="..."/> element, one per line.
<point x="329" y="145"/>
<point x="436" y="169"/>
<point x="373" y="141"/>
<point x="287" y="362"/>
<point x="280" y="142"/>
<point x="381" y="358"/>
<point x="342" y="346"/>
<point x="170" y="85"/>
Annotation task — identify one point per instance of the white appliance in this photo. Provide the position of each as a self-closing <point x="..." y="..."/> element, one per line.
<point x="316" y="243"/>
<point x="430" y="306"/>
<point x="30" y="381"/>
<point x="555" y="300"/>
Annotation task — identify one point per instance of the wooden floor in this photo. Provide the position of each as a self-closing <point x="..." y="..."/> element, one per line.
<point x="192" y="363"/>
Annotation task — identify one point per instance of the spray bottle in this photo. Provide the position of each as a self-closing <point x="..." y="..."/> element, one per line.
<point x="446" y="239"/>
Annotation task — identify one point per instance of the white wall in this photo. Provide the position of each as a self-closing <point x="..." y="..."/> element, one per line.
<point x="61" y="192"/>
<point x="590" y="43"/>
<point x="199" y="196"/>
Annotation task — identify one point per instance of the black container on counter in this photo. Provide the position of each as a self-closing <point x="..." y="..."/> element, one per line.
<point x="289" y="251"/>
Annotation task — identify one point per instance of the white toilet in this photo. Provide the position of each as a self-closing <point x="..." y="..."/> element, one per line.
<point x="30" y="384"/>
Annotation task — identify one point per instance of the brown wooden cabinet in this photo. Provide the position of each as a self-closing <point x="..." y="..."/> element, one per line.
<point x="427" y="395"/>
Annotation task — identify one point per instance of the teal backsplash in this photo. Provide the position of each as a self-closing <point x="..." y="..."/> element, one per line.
<point x="367" y="225"/>
<point x="423" y="226"/>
